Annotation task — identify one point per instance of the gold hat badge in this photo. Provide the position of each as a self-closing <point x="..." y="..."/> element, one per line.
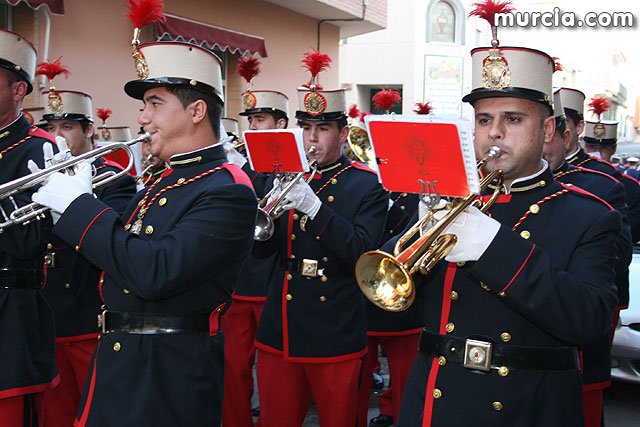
<point x="104" y="114"/>
<point x="140" y="14"/>
<point x="51" y="70"/>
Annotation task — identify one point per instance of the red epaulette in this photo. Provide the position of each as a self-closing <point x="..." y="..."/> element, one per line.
<point x="630" y="177"/>
<point x="579" y="190"/>
<point x="107" y="162"/>
<point x="239" y="176"/>
<point x="362" y="166"/>
<point x="36" y="131"/>
<point x="602" y="161"/>
<point x="580" y="168"/>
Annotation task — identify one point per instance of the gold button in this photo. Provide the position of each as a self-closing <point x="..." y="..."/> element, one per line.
<point x="437" y="394"/>
<point x="450" y="327"/>
<point x="497" y="405"/>
<point x="289" y="276"/>
<point x="325" y="259"/>
<point x="181" y="180"/>
<point x="66" y="285"/>
<point x="77" y="248"/>
<point x="525" y="234"/>
<point x="452" y="349"/>
<point x="193" y="82"/>
<point x="485" y="287"/>
<point x="534" y="209"/>
<point x="102" y="280"/>
<point x="461" y="263"/>
<point x="454" y="295"/>
<point x="330" y="198"/>
<point x="404" y="194"/>
<point x="49" y="246"/>
<point x="17" y="67"/>
<point x="323" y="279"/>
<point x="293" y="237"/>
<point x="149" y="229"/>
<point x="162" y="201"/>
<point x="126" y="291"/>
<point x="334" y="181"/>
<point x="503" y="371"/>
<point x="292" y="256"/>
<point x="296" y="216"/>
<point x="117" y="346"/>
<point x="317" y="237"/>
<point x="323" y="298"/>
<point x="402" y="207"/>
<point x="505" y="336"/>
<point x="502" y="294"/>
<point x="289" y="297"/>
<point x="442" y="360"/>
<point x="542" y="183"/>
<point x="127" y="227"/>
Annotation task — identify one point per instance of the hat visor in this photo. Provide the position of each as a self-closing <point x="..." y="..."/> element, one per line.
<point x="323" y="117"/>
<point x="137" y="88"/>
<point x="508" y="92"/>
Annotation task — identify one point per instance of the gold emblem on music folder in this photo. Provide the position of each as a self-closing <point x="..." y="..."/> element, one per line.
<point x="54" y="103"/>
<point x="314" y="103"/>
<point x="495" y="71"/>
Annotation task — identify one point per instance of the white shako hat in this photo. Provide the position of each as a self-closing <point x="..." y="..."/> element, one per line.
<point x="230" y="125"/>
<point x="573" y="99"/>
<point x="602" y="133"/>
<point x="176" y="64"/>
<point x="34" y="115"/>
<point x="321" y="105"/>
<point x="264" y="101"/>
<point x="17" y="54"/>
<point x="112" y="134"/>
<point x="558" y="109"/>
<point x="70" y="105"/>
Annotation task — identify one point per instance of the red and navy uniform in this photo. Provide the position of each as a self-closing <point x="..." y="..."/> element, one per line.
<point x="26" y="322"/>
<point x="196" y="231"/>
<point x="545" y="282"/>
<point x="312" y="332"/>
<point x="397" y="333"/>
<point x="72" y="292"/>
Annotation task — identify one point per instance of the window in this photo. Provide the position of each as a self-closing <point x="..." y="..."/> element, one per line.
<point x="445" y="22"/>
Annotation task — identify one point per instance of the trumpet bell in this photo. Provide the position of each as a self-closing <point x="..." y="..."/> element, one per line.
<point x="360" y="146"/>
<point x="385" y="281"/>
<point x="264" y="228"/>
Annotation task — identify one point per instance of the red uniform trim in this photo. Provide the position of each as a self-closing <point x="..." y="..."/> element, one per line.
<point x="394" y="333"/>
<point x="362" y="166"/>
<point x="597" y="172"/>
<point x="30" y="389"/>
<point x="325" y="225"/>
<point x="78" y="337"/>
<point x="36" y="131"/>
<point x="214" y="320"/>
<point x="502" y="198"/>
<point x="87" y="404"/>
<point x="285" y="320"/>
<point x="585" y="193"/>
<point x="100" y="283"/>
<point x="246" y="298"/>
<point x="107" y="162"/>
<point x="520" y="269"/>
<point x="238" y="175"/>
<point x="90" y="224"/>
<point x="341" y="358"/>
<point x="631" y="178"/>
<point x="268" y="349"/>
<point x="398" y="224"/>
<point x="596" y="386"/>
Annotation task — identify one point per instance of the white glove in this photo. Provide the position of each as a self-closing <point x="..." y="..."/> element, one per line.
<point x="60" y="190"/>
<point x="475" y="232"/>
<point x="303" y="198"/>
<point x="233" y="156"/>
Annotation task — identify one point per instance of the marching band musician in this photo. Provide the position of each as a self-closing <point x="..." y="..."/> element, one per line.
<point x="507" y="308"/>
<point x="26" y="322"/>
<point x="72" y="281"/>
<point x="171" y="260"/>
<point x="264" y="109"/>
<point x="596" y="358"/>
<point x="312" y="332"/>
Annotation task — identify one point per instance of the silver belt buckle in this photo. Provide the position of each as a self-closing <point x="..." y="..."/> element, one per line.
<point x="102" y="323"/>
<point x="309" y="268"/>
<point x="477" y="355"/>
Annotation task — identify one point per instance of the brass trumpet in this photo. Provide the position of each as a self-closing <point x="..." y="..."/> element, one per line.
<point x="34" y="210"/>
<point x="386" y="280"/>
<point x="360" y="147"/>
<point x="268" y="212"/>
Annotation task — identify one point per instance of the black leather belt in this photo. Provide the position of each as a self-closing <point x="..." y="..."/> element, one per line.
<point x="314" y="268"/>
<point x="152" y="323"/>
<point x="25" y="279"/>
<point x="482" y="355"/>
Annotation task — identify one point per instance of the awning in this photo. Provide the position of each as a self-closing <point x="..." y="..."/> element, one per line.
<point x="55" y="6"/>
<point x="200" y="33"/>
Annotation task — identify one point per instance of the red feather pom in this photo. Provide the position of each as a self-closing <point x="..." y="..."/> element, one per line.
<point x="145" y="12"/>
<point x="421" y="108"/>
<point x="386" y="98"/>
<point x="52" y="69"/>
<point x="248" y="67"/>
<point x="104" y="113"/>
<point x="364" y="114"/>
<point x="557" y="65"/>
<point x="487" y="10"/>
<point x="353" y="111"/>
<point x="599" y="105"/>
<point x="316" y="62"/>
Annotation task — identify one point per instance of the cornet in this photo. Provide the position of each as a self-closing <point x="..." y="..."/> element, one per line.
<point x="268" y="212"/>
<point x="34" y="210"/>
<point x="386" y="280"/>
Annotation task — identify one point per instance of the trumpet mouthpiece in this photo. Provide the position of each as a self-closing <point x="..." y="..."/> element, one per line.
<point x="494" y="152"/>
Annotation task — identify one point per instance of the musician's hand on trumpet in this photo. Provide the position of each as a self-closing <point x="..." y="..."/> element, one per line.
<point x="304" y="199"/>
<point x="233" y="155"/>
<point x="475" y="232"/>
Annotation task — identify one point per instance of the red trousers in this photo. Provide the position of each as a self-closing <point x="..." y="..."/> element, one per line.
<point x="61" y="403"/>
<point x="401" y="351"/>
<point x="592" y="404"/>
<point x="386" y="401"/>
<point x="285" y="390"/>
<point x="240" y="324"/>
<point x="22" y="411"/>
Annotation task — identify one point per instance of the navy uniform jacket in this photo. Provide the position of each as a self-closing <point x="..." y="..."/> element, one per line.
<point x="596" y="359"/>
<point x="194" y="239"/>
<point x="324" y="321"/>
<point x="72" y="282"/>
<point x="548" y="283"/>
<point x="631" y="188"/>
<point x="386" y="323"/>
<point x="26" y="322"/>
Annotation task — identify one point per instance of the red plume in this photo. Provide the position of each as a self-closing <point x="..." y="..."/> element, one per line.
<point x="248" y="67"/>
<point x="145" y="12"/>
<point x="421" y="108"/>
<point x="557" y="65"/>
<point x="386" y="98"/>
<point x="353" y="111"/>
<point x="316" y="62"/>
<point x="363" y="114"/>
<point x="52" y="69"/>
<point x="487" y="10"/>
<point x="104" y="113"/>
<point x="599" y="105"/>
